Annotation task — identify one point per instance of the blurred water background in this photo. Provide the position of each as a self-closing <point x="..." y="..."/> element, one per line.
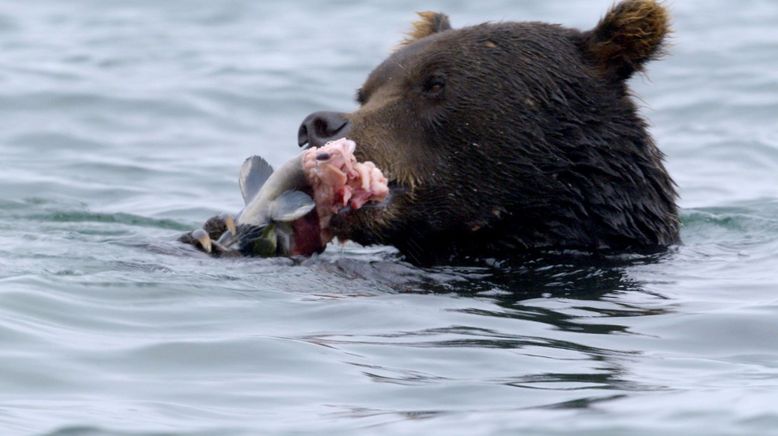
<point x="122" y="124"/>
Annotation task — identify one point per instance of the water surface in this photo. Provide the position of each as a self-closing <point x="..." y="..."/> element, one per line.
<point x="123" y="124"/>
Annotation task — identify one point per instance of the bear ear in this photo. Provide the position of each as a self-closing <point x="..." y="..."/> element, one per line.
<point x="630" y="34"/>
<point x="428" y="23"/>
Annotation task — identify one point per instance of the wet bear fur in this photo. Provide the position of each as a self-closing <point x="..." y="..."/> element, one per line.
<point x="506" y="137"/>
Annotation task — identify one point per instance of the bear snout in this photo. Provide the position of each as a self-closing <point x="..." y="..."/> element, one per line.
<point x="319" y="128"/>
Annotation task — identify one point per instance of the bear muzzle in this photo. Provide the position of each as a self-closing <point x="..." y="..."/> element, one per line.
<point x="322" y="127"/>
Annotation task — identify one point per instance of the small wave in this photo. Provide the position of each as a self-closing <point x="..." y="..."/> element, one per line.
<point x="760" y="216"/>
<point x="98" y="431"/>
<point x="116" y="218"/>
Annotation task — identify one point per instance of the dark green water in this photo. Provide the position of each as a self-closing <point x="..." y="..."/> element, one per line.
<point x="123" y="124"/>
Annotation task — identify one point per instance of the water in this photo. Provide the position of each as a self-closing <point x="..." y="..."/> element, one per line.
<point x="123" y="124"/>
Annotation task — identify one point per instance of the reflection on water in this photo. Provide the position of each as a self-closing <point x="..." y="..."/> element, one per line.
<point x="516" y="320"/>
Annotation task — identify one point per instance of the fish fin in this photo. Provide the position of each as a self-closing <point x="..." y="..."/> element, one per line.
<point x="253" y="174"/>
<point x="202" y="237"/>
<point x="284" y="233"/>
<point x="290" y="206"/>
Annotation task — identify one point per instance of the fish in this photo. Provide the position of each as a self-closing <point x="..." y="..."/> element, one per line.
<point x="273" y="200"/>
<point x="287" y="211"/>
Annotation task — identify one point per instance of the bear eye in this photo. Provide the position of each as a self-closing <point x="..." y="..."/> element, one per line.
<point x="434" y="85"/>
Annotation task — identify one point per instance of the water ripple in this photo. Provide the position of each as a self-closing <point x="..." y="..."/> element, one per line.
<point x="125" y="124"/>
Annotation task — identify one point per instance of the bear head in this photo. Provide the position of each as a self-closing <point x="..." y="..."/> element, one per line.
<point x="504" y="137"/>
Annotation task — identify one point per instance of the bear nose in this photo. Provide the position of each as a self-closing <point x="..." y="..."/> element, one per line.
<point x="320" y="127"/>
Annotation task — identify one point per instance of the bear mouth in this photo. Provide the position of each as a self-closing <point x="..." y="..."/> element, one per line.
<point x="309" y="237"/>
<point x="340" y="186"/>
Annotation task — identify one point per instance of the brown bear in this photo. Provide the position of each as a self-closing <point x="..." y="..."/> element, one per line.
<point x="502" y="138"/>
